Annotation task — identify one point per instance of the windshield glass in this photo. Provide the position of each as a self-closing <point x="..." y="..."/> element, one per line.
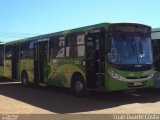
<point x="130" y="49"/>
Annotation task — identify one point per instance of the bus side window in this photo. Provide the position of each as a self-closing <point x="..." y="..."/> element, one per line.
<point x="57" y="47"/>
<point x="24" y="50"/>
<point x="8" y="52"/>
<point x="75" y="45"/>
<point x="81" y="45"/>
<point x="71" y="50"/>
<point x="30" y="50"/>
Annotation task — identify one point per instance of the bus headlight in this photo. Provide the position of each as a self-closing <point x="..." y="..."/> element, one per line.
<point x="116" y="76"/>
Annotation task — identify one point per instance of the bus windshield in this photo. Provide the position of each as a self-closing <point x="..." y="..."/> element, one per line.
<point x="130" y="49"/>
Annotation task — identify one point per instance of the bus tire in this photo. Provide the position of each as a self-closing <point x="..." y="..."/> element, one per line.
<point x="78" y="86"/>
<point x="24" y="79"/>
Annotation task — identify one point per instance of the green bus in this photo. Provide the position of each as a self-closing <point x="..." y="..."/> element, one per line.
<point x="155" y="35"/>
<point x="103" y="57"/>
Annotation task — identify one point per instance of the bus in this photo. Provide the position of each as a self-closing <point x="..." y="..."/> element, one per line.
<point x="102" y="57"/>
<point x="155" y="35"/>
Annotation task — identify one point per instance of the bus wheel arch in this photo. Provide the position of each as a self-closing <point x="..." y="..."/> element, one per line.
<point x="78" y="85"/>
<point x="24" y="78"/>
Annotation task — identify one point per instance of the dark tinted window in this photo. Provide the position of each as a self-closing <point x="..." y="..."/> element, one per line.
<point x="8" y="52"/>
<point x="57" y="45"/>
<point x="30" y="50"/>
<point x="24" y="50"/>
<point x="1" y="55"/>
<point x="75" y="45"/>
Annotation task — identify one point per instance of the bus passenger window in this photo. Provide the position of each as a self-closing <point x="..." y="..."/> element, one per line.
<point x="61" y="41"/>
<point x="80" y="39"/>
<point x="97" y="44"/>
<point x="8" y="52"/>
<point x="24" y="50"/>
<point x="71" y="49"/>
<point x="81" y="50"/>
<point x="80" y="45"/>
<point x="30" y="51"/>
<point x="75" y="45"/>
<point x="60" y="49"/>
<point x="57" y="47"/>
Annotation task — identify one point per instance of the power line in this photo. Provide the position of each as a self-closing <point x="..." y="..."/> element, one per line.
<point x="16" y="34"/>
<point x="9" y="36"/>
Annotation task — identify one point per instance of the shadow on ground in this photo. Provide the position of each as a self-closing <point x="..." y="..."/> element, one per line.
<point x="61" y="101"/>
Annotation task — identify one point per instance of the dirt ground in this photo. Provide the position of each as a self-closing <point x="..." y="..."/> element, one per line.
<point x="16" y="99"/>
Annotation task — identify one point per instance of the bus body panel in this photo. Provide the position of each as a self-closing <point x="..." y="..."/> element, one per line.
<point x="62" y="72"/>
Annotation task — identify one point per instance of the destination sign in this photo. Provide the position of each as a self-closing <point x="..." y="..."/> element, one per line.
<point x="129" y="28"/>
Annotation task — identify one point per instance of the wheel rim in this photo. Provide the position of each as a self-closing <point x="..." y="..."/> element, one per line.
<point x="78" y="86"/>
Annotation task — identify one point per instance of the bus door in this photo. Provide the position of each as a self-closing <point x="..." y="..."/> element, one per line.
<point x="95" y="60"/>
<point x="15" y="60"/>
<point x="40" y="62"/>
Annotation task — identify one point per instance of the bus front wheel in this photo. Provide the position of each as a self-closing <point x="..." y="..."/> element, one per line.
<point x="78" y="86"/>
<point x="24" y="79"/>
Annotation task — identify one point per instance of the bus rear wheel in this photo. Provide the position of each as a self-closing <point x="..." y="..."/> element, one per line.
<point x="24" y="79"/>
<point x="78" y="86"/>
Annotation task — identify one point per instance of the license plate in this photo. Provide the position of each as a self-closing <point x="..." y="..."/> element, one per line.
<point x="137" y="83"/>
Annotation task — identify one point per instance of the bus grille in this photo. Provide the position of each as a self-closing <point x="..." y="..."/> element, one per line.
<point x="136" y="77"/>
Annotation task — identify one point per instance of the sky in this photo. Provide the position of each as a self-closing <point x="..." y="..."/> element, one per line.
<point x="26" y="18"/>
